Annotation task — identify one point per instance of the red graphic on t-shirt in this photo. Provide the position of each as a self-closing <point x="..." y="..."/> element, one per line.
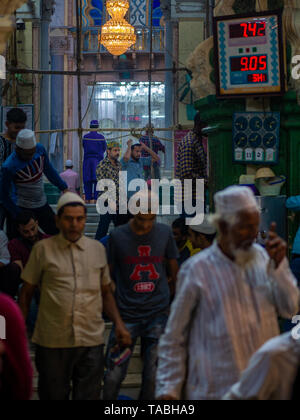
<point x="144" y="251"/>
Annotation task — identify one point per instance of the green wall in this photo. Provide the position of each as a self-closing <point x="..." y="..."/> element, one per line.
<point x="223" y="172"/>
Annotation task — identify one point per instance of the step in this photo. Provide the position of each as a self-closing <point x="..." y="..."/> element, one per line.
<point x="93" y="218"/>
<point x="91" y="228"/>
<point x="91" y="209"/>
<point x="132" y="381"/>
<point x="91" y="235"/>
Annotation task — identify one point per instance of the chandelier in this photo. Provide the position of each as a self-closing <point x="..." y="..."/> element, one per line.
<point x="117" y="34"/>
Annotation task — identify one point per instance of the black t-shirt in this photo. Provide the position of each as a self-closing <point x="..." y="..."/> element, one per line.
<point x="142" y="289"/>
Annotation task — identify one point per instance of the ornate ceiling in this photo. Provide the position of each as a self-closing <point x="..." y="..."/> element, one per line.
<point x="94" y="13"/>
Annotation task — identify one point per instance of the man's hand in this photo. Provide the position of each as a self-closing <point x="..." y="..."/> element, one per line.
<point x="276" y="247"/>
<point x="142" y="144"/>
<point x="130" y="143"/>
<point x="123" y="336"/>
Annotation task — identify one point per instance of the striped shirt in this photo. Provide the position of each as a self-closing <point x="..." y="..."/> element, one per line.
<point x="221" y="316"/>
<point x="4" y="253"/>
<point x="6" y="148"/>
<point x="271" y="373"/>
<point x="106" y="170"/>
<point x="157" y="146"/>
<point x="192" y="161"/>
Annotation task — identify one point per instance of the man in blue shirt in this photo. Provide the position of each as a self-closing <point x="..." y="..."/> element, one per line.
<point x="24" y="169"/>
<point x="15" y="122"/>
<point x="157" y="146"/>
<point x="133" y="162"/>
<point x="94" y="146"/>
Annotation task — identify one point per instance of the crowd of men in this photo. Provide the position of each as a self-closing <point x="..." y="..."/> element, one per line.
<point x="204" y="300"/>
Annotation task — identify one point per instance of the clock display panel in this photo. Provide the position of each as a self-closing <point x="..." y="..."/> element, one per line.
<point x="256" y="137"/>
<point x="249" y="51"/>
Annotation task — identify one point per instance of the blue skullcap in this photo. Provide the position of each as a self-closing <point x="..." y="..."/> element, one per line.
<point x="94" y="124"/>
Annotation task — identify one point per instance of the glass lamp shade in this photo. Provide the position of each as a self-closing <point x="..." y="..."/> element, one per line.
<point x="117" y="34"/>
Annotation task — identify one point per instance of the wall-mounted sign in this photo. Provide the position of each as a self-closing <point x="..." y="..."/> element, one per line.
<point x="188" y="9"/>
<point x="250" y="55"/>
<point x="256" y="137"/>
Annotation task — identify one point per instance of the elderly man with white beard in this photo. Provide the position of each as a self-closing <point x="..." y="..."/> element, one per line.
<point x="227" y="305"/>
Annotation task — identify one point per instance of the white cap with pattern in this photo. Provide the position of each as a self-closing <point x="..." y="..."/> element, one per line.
<point x="26" y="140"/>
<point x="69" y="198"/>
<point x="206" y="228"/>
<point x="235" y="199"/>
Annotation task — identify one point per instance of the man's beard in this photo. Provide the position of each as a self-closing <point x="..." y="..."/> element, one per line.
<point x="245" y="258"/>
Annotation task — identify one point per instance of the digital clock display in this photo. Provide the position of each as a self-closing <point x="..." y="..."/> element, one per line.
<point x="258" y="78"/>
<point x="247" y="30"/>
<point x="250" y="56"/>
<point x="249" y="63"/>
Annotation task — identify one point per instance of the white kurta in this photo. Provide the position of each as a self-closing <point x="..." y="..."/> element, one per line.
<point x="271" y="372"/>
<point x="221" y="316"/>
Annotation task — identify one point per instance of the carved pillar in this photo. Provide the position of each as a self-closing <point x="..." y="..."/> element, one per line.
<point x="60" y="45"/>
<point x="46" y="15"/>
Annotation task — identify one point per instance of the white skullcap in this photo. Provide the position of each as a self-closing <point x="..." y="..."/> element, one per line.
<point x="26" y="139"/>
<point x="69" y="198"/>
<point x="206" y="228"/>
<point x="235" y="199"/>
<point x="69" y="163"/>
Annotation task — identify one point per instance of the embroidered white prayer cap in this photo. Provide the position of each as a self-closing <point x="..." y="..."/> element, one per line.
<point x="26" y="139"/>
<point x="69" y="164"/>
<point x="235" y="199"/>
<point x="206" y="228"/>
<point x="69" y="198"/>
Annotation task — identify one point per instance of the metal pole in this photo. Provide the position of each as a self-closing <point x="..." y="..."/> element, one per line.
<point x="13" y="70"/>
<point x="207" y="19"/>
<point x="15" y="64"/>
<point x="211" y="16"/>
<point x="79" y="35"/>
<point x="169" y="89"/>
<point x="47" y="11"/>
<point x="150" y="85"/>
